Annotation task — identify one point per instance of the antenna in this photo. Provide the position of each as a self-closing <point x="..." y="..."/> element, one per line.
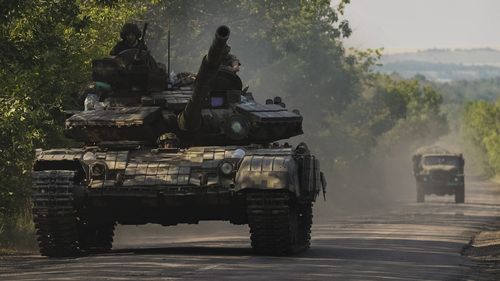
<point x="141" y="41"/>
<point x="168" y="50"/>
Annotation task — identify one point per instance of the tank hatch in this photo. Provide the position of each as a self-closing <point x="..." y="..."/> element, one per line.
<point x="172" y="100"/>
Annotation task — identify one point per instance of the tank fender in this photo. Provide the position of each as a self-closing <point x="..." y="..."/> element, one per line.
<point x="268" y="172"/>
<point x="63" y="162"/>
<point x="82" y="161"/>
<point x="58" y="160"/>
<point x="312" y="180"/>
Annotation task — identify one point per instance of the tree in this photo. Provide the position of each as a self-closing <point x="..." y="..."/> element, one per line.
<point x="47" y="47"/>
<point x="481" y="127"/>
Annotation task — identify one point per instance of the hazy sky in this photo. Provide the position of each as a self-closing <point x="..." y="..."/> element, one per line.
<point x="399" y="25"/>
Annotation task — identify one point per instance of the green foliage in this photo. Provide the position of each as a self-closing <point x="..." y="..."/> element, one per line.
<point x="481" y="126"/>
<point x="388" y="113"/>
<point x="462" y="100"/>
<point x="47" y="47"/>
<point x="462" y="91"/>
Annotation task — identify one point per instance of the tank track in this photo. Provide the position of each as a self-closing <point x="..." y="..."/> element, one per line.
<point x="305" y="223"/>
<point x="97" y="238"/>
<point x="54" y="214"/>
<point x="279" y="225"/>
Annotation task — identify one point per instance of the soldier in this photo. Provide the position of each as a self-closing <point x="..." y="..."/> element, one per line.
<point x="231" y="63"/>
<point x="130" y="35"/>
<point x="227" y="77"/>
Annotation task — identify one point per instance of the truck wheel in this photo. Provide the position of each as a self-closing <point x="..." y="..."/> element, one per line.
<point x="460" y="194"/>
<point x="420" y="195"/>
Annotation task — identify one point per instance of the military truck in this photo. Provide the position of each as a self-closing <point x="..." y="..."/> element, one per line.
<point x="438" y="171"/>
<point x="159" y="150"/>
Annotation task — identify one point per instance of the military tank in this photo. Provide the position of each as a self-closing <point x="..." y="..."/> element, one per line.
<point x="158" y="152"/>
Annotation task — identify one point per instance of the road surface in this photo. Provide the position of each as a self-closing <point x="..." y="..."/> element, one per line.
<point x="403" y="241"/>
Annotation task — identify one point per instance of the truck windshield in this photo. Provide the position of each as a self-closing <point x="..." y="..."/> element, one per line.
<point x="441" y="160"/>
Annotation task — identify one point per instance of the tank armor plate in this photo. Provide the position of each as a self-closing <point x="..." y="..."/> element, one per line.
<point x="124" y="123"/>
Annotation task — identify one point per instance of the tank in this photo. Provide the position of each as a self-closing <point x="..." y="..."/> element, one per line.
<point x="439" y="171"/>
<point x="165" y="151"/>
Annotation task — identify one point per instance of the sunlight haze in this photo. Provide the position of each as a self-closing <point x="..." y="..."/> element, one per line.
<point x="405" y="25"/>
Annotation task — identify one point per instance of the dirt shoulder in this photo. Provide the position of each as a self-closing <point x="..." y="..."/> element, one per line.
<point x="6" y="253"/>
<point x="485" y="245"/>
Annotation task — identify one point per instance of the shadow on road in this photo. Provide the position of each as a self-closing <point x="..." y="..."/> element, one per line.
<point x="187" y="250"/>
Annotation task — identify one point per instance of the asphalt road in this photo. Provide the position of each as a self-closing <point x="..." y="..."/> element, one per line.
<point x="403" y="241"/>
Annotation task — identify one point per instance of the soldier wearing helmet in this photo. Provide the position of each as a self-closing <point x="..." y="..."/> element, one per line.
<point x="130" y="35"/>
<point x="227" y="77"/>
<point x="231" y="63"/>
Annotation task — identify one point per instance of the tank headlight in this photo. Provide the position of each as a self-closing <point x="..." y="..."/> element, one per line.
<point x="236" y="126"/>
<point x="226" y="168"/>
<point x="89" y="156"/>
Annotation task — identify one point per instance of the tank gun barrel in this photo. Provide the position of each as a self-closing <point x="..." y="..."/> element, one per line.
<point x="219" y="47"/>
<point x="190" y="118"/>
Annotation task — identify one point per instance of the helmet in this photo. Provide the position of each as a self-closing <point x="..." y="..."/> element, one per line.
<point x="130" y="28"/>
<point x="229" y="59"/>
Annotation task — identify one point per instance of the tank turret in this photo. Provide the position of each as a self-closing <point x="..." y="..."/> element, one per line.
<point x="190" y="117"/>
<point x="213" y="110"/>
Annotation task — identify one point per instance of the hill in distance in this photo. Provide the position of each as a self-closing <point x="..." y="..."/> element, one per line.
<point x="444" y="64"/>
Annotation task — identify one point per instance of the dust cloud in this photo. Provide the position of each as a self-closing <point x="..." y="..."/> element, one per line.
<point x="381" y="180"/>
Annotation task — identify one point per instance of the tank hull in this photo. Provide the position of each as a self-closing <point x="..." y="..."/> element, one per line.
<point x="166" y="209"/>
<point x="100" y="187"/>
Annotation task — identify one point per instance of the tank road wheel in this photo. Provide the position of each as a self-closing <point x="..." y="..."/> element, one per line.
<point x="97" y="238"/>
<point x="420" y="194"/>
<point x="53" y="213"/>
<point x="460" y="194"/>
<point x="278" y="225"/>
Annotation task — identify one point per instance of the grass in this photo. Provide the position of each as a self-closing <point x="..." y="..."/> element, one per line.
<point x="17" y="235"/>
